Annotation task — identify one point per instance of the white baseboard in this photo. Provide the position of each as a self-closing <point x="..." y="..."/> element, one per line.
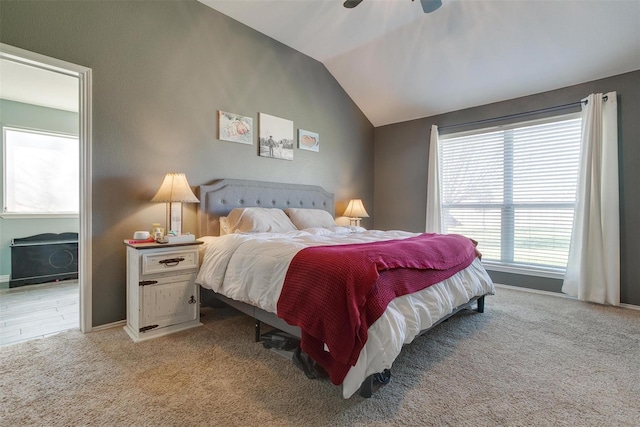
<point x="109" y="326"/>
<point x="630" y="306"/>
<point x="533" y="291"/>
<point x="555" y="294"/>
<point x="5" y="278"/>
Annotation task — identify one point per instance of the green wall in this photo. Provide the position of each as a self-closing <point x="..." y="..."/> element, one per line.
<point x="402" y="157"/>
<point x="161" y="71"/>
<point x="39" y="118"/>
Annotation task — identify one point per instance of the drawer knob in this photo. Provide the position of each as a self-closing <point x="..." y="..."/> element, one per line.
<point x="192" y="300"/>
<point x="171" y="262"/>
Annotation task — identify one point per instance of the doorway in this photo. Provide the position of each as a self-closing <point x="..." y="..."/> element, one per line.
<point x="81" y="76"/>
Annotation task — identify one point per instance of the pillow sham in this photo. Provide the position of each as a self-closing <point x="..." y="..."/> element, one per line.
<point x="224" y="226"/>
<point x="310" y="218"/>
<point x="256" y="220"/>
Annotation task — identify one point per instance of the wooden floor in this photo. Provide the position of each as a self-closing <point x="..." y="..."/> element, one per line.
<point x="37" y="311"/>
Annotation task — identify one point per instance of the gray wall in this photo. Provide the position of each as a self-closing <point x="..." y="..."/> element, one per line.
<point x="402" y="155"/>
<point x="40" y="118"/>
<point x="161" y="71"/>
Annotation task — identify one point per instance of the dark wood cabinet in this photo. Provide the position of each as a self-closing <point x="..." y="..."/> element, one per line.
<point x="44" y="258"/>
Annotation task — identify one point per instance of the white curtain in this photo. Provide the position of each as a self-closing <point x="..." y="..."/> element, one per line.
<point x="593" y="268"/>
<point x="434" y="215"/>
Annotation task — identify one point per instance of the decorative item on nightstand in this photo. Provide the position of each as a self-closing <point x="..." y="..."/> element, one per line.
<point x="355" y="211"/>
<point x="175" y="191"/>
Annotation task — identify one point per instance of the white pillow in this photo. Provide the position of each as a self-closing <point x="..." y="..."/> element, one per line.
<point x="224" y="226"/>
<point x="310" y="218"/>
<point x="256" y="220"/>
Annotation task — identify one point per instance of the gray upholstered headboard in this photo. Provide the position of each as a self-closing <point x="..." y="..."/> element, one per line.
<point x="220" y="197"/>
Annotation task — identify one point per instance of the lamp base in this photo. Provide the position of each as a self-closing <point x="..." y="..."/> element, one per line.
<point x="355" y="221"/>
<point x="174" y="218"/>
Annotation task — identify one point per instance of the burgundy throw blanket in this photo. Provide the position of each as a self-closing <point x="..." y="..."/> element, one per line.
<point x="334" y="293"/>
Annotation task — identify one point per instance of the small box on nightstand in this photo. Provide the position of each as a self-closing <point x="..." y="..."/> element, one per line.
<point x="182" y="238"/>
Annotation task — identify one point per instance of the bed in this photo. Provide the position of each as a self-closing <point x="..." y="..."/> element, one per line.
<point x="263" y="268"/>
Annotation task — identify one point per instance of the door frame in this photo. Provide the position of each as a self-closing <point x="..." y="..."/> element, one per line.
<point x="84" y="136"/>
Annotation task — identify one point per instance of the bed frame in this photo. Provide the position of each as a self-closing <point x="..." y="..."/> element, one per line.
<point x="222" y="196"/>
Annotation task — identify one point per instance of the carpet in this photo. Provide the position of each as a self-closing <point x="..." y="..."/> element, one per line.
<point x="529" y="360"/>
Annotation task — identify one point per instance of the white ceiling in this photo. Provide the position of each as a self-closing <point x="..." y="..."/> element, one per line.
<point x="398" y="63"/>
<point x="33" y="85"/>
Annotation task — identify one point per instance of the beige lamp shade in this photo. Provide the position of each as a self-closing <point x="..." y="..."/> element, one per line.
<point x="175" y="191"/>
<point x="355" y="211"/>
<point x="175" y="188"/>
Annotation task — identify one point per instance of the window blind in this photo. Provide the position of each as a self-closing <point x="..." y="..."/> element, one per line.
<point x="513" y="190"/>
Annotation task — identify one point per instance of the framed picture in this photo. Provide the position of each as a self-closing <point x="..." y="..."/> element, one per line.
<point x="276" y="137"/>
<point x="308" y="140"/>
<point x="235" y="128"/>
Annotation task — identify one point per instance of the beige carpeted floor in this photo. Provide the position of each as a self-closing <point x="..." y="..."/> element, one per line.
<point x="529" y="360"/>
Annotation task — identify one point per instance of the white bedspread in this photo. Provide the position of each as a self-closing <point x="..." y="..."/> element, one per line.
<point x="252" y="267"/>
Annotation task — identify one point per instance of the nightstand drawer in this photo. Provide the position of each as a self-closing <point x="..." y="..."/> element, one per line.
<point x="169" y="261"/>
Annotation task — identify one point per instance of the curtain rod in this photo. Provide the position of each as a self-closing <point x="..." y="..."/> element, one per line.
<point x="517" y="115"/>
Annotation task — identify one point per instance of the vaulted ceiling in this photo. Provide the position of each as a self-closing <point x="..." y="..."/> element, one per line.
<point x="398" y="63"/>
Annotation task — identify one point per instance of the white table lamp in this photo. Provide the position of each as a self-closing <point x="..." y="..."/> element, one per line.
<point x="175" y="191"/>
<point x="355" y="211"/>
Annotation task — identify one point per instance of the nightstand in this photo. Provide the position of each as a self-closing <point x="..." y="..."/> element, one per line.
<point x="162" y="296"/>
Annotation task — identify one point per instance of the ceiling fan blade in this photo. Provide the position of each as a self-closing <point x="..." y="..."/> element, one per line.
<point x="351" y="3"/>
<point x="429" y="6"/>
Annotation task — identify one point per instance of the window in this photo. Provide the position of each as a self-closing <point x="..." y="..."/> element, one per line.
<point x="41" y="172"/>
<point x="514" y="191"/>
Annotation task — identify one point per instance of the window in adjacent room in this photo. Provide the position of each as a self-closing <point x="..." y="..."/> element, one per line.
<point x="513" y="189"/>
<point x="41" y="173"/>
